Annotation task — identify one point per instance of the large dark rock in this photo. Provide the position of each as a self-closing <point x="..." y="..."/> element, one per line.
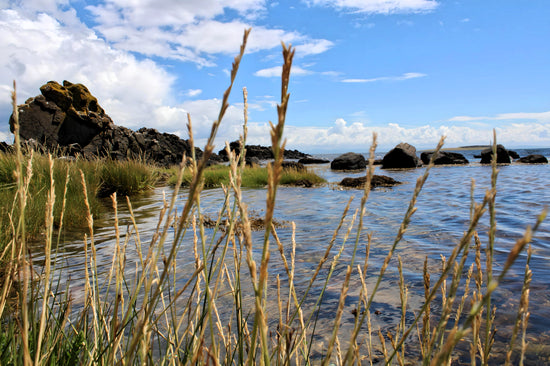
<point x="513" y="154"/>
<point x="349" y="161"/>
<point x="533" y="159"/>
<point x="4" y="147"/>
<point x="502" y="155"/>
<point x="294" y="154"/>
<point x="444" y="158"/>
<point x="401" y="156"/>
<point x="313" y="161"/>
<point x="377" y="181"/>
<point x="68" y="118"/>
<point x="62" y="115"/>
<point x="260" y="152"/>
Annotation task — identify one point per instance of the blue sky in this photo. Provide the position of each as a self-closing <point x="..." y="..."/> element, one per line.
<point x="410" y="70"/>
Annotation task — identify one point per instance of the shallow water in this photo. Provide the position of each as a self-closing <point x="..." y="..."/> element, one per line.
<point x="436" y="227"/>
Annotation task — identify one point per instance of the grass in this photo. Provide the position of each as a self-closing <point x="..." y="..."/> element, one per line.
<point x="219" y="312"/>
<point x="103" y="177"/>
<point x="252" y="177"/>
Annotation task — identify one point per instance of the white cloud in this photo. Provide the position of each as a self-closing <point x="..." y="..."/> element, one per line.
<point x="157" y="13"/>
<point x="406" y="76"/>
<point x="4" y="136"/>
<point x="277" y="70"/>
<point x="342" y="137"/>
<point x="189" y="30"/>
<point x="379" y="6"/>
<point x="38" y="49"/>
<point x="314" y="47"/>
<point x="543" y="117"/>
<point x="193" y="92"/>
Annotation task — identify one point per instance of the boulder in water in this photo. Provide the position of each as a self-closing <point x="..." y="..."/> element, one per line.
<point x="349" y="161"/>
<point x="401" y="156"/>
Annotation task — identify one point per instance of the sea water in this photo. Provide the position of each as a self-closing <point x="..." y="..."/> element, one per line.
<point x="442" y="216"/>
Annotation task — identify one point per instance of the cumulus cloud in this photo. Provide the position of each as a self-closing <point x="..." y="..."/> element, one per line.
<point x="379" y="6"/>
<point x="190" y="31"/>
<point x="39" y="48"/>
<point x="343" y="136"/>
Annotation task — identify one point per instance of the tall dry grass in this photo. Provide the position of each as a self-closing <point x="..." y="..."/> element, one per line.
<point x="220" y="312"/>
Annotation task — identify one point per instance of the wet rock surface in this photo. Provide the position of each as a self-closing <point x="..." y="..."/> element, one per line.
<point x="502" y="155"/>
<point x="444" y="158"/>
<point x="377" y="181"/>
<point x="533" y="159"/>
<point x="401" y="156"/>
<point x="349" y="161"/>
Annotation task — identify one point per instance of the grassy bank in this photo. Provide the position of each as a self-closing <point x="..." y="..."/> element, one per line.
<point x="146" y="312"/>
<point x="101" y="177"/>
<point x="251" y="177"/>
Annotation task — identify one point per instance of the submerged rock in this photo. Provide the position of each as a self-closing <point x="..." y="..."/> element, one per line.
<point x="444" y="158"/>
<point x="349" y="161"/>
<point x="377" y="181"/>
<point x="401" y="156"/>
<point x="533" y="159"/>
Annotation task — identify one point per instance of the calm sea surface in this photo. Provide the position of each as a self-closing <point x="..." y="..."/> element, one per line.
<point x="437" y="226"/>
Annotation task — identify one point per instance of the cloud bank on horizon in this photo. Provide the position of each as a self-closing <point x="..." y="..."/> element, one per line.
<point x="410" y="70"/>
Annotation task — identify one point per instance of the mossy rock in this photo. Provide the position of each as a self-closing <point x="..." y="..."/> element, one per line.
<point x="57" y="93"/>
<point x="83" y="100"/>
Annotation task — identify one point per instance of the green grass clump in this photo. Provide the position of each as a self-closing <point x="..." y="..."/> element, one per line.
<point x="252" y="177"/>
<point x="68" y="192"/>
<point x="127" y="177"/>
<point x="293" y="176"/>
<point x="102" y="177"/>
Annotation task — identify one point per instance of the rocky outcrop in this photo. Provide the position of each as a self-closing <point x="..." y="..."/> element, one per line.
<point x="294" y="154"/>
<point x="349" y="161"/>
<point x="444" y="158"/>
<point x="377" y="181"/>
<point x="68" y="119"/>
<point x="260" y="152"/>
<point x="401" y="156"/>
<point x="62" y="115"/>
<point x="4" y="147"/>
<point x="121" y="143"/>
<point x="513" y="154"/>
<point x="533" y="159"/>
<point x="313" y="161"/>
<point x="502" y="155"/>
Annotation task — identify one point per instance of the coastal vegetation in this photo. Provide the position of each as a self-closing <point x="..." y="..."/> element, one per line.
<point x="101" y="177"/>
<point x="98" y="177"/>
<point x="252" y="177"/>
<point x="220" y="312"/>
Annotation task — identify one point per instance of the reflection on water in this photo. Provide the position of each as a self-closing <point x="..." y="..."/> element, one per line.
<point x="442" y="217"/>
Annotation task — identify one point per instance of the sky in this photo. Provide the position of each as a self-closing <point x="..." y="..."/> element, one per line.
<point x="409" y="70"/>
